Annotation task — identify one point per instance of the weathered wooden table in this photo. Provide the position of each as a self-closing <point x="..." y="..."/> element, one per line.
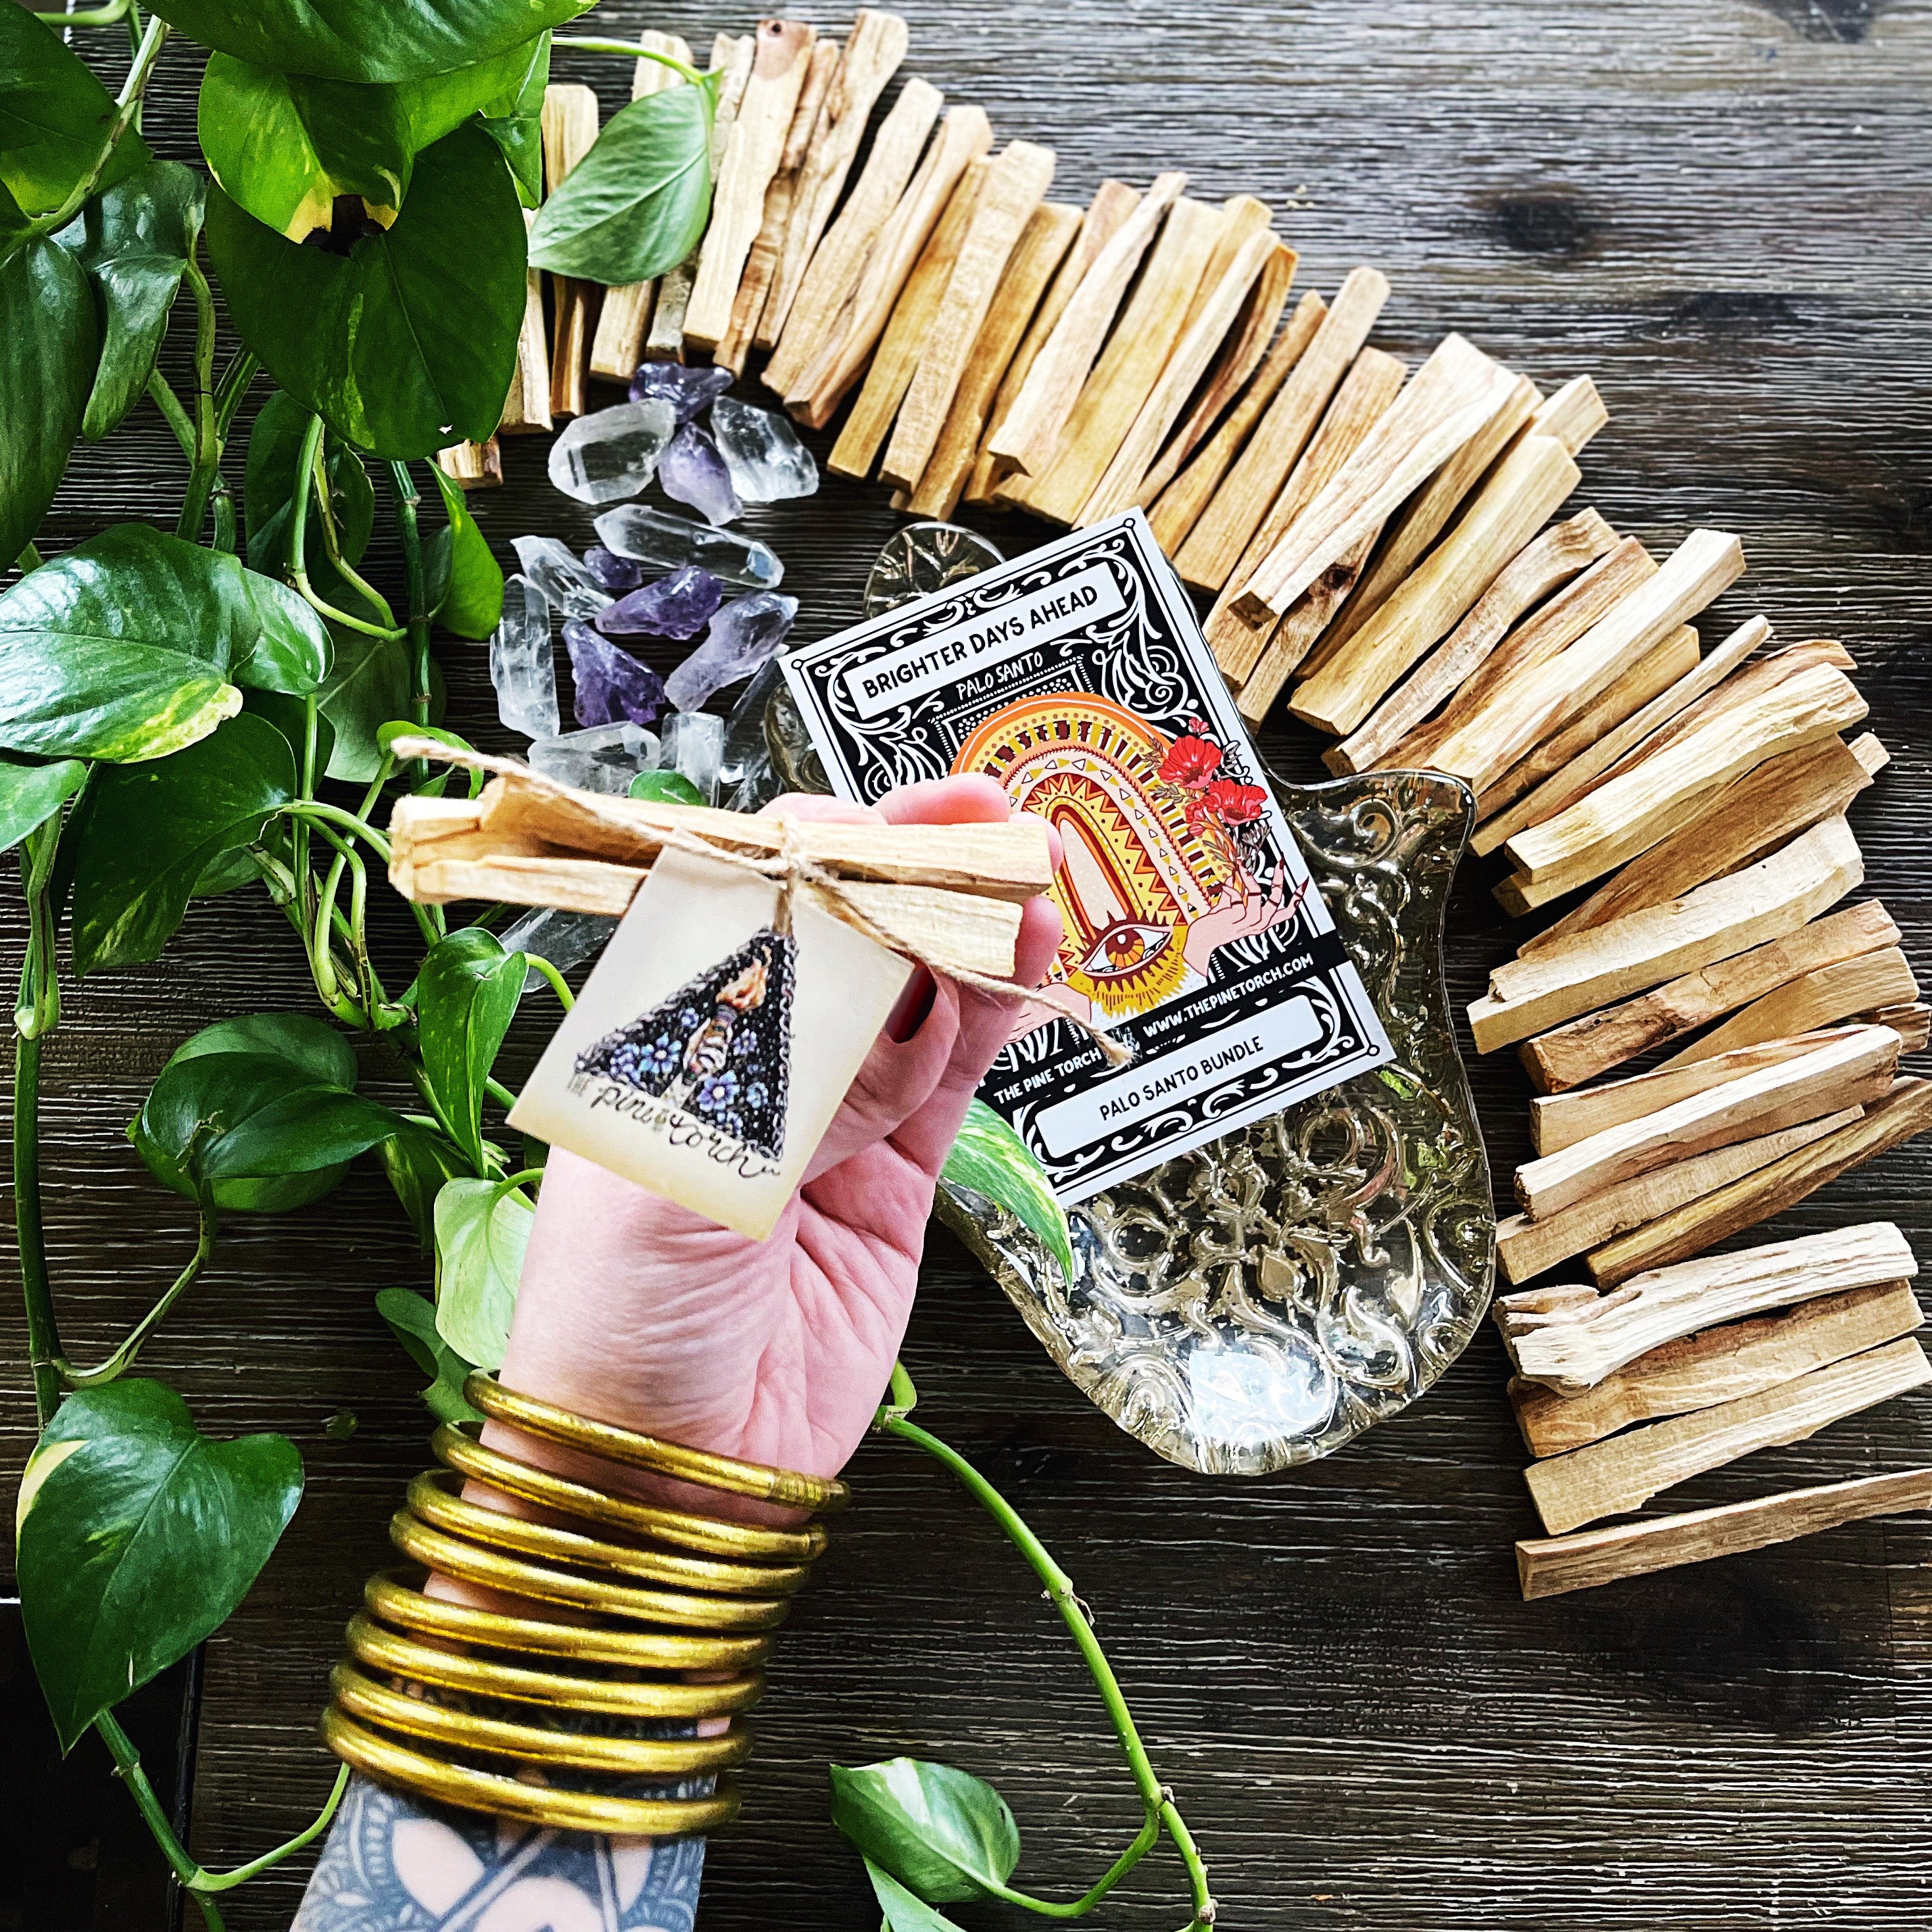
<point x="1721" y="210"/>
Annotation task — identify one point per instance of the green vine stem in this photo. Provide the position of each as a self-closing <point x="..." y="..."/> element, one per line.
<point x="1156" y="1800"/>
<point x="407" y="503"/>
<point x="36" y="1014"/>
<point x="122" y="1359"/>
<point x="590" y="43"/>
<point x="127" y="108"/>
<point x="204" y="1882"/>
<point x="85" y="17"/>
<point x="206" y="457"/>
<point x="307" y="463"/>
<point x="127" y="1767"/>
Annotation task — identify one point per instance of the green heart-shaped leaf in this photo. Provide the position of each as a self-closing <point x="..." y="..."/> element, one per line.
<point x="137" y="1536"/>
<point x="54" y="115"/>
<point x="665" y="788"/>
<point x="368" y="688"/>
<point x="991" y="1159"/>
<point x="466" y="582"/>
<point x="466" y="996"/>
<point x="482" y="1229"/>
<point x="636" y="204"/>
<point x="123" y="648"/>
<point x="135" y="241"/>
<point x="405" y="344"/>
<point x="30" y="795"/>
<point x="945" y="1834"/>
<point x="145" y="835"/>
<point x="412" y="1317"/>
<point x="418" y="1160"/>
<point x="515" y="124"/>
<point x="48" y="337"/>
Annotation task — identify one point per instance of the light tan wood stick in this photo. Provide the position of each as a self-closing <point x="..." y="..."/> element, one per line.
<point x="1507" y="511"/>
<point x="1525" y="1247"/>
<point x="1030" y="433"/>
<point x="1856" y="1066"/>
<point x="1764" y="807"/>
<point x="1122" y="483"/>
<point x="874" y="50"/>
<point x="1179" y="506"/>
<point x="1572" y="1348"/>
<point x="1560" y="553"/>
<point x="1549" y="1566"/>
<point x="526" y="408"/>
<point x="1573" y="414"/>
<point x="1240" y="355"/>
<point x="1016" y="184"/>
<point x="1558" y="624"/>
<point x="569" y="129"/>
<point x="1042" y="244"/>
<point x="1721" y="1365"/>
<point x="1113" y="202"/>
<point x="471" y="466"/>
<point x="1906" y="1111"/>
<point x="752" y="152"/>
<point x="1568" y="1055"/>
<point x="618" y="346"/>
<point x="1222" y="531"/>
<point x="1527" y="707"/>
<point x="1149" y="330"/>
<point x="818" y="308"/>
<point x="1832" y="993"/>
<point x="1363" y="396"/>
<point x="1608" y="1478"/>
<point x="893" y="368"/>
<point x="1301" y="631"/>
<point x="1764" y="902"/>
<point x="1455" y="393"/>
<point x="1912" y="1023"/>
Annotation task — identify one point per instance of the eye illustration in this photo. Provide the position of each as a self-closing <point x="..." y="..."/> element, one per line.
<point x="1125" y="947"/>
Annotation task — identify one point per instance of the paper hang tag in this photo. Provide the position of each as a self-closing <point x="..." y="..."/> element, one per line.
<point x="711" y="1047"/>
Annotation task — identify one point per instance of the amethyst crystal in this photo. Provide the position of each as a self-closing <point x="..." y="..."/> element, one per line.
<point x="680" y="605"/>
<point x="615" y="573"/>
<point x="745" y="635"/>
<point x="687" y="390"/>
<point x="611" y="685"/>
<point x="691" y="471"/>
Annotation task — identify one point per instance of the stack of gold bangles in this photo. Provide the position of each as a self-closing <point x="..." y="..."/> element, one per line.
<point x="682" y="1644"/>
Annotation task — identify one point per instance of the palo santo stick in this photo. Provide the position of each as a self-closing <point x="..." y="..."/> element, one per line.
<point x="874" y="49"/>
<point x="1832" y="994"/>
<point x="1364" y="396"/>
<point x="752" y="152"/>
<point x="1912" y="1023"/>
<point x="1528" y="485"/>
<point x="618" y="346"/>
<point x="1608" y="1478"/>
<point x="1764" y="902"/>
<point x="1298" y="632"/>
<point x="1721" y="1365"/>
<point x="471" y="466"/>
<point x="569" y="131"/>
<point x="1455" y="391"/>
<point x="1572" y="1348"/>
<point x="1558" y="625"/>
<point x="1550" y="1566"/>
<point x="1221" y="534"/>
<point x="1121" y="484"/>
<point x="1767" y="805"/>
<point x="1016" y="184"/>
<point x="1553" y="559"/>
<point x="761" y="264"/>
<point x="1525" y="1247"/>
<point x="1571" y="1054"/>
<point x="1044" y="242"/>
<point x="1527" y="708"/>
<point x="1113" y="202"/>
<point x="891" y="373"/>
<point x="1905" y="1112"/>
<point x="818" y="309"/>
<point x="904" y="273"/>
<point x="1856" y="1065"/>
<point x="1240" y="355"/>
<point x="1140" y="348"/>
<point x="1030" y="434"/>
<point x="526" y="408"/>
<point x="1574" y="415"/>
<point x="1179" y="506"/>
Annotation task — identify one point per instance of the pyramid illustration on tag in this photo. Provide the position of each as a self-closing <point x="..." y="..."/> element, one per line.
<point x="719" y="1049"/>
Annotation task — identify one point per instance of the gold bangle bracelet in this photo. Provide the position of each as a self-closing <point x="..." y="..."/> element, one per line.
<point x="635" y="1450"/>
<point x="402" y="1657"/>
<point x="375" y="1703"/>
<point x="463" y="1453"/>
<point x="391" y="1602"/>
<point x="455" y="1558"/>
<point x="379" y="1757"/>
<point x="432" y="1500"/>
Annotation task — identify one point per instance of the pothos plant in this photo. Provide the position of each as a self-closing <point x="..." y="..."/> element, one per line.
<point x="190" y="711"/>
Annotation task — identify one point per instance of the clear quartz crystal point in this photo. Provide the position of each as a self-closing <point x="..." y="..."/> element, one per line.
<point x="612" y="453"/>
<point x="656" y="536"/>
<point x="549" y="566"/>
<point x="745" y="635"/>
<point x="923" y="558"/>
<point x="602" y="757"/>
<point x="762" y="451"/>
<point x="745" y="729"/>
<point x="565" y="939"/>
<point x="523" y="661"/>
<point x="694" y="744"/>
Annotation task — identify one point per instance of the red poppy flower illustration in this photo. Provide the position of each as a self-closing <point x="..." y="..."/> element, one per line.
<point x="1190" y="761"/>
<point x="1234" y="804"/>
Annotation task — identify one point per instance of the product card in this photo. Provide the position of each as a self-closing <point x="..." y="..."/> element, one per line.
<point x="709" y="1049"/>
<point x="1078" y="677"/>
